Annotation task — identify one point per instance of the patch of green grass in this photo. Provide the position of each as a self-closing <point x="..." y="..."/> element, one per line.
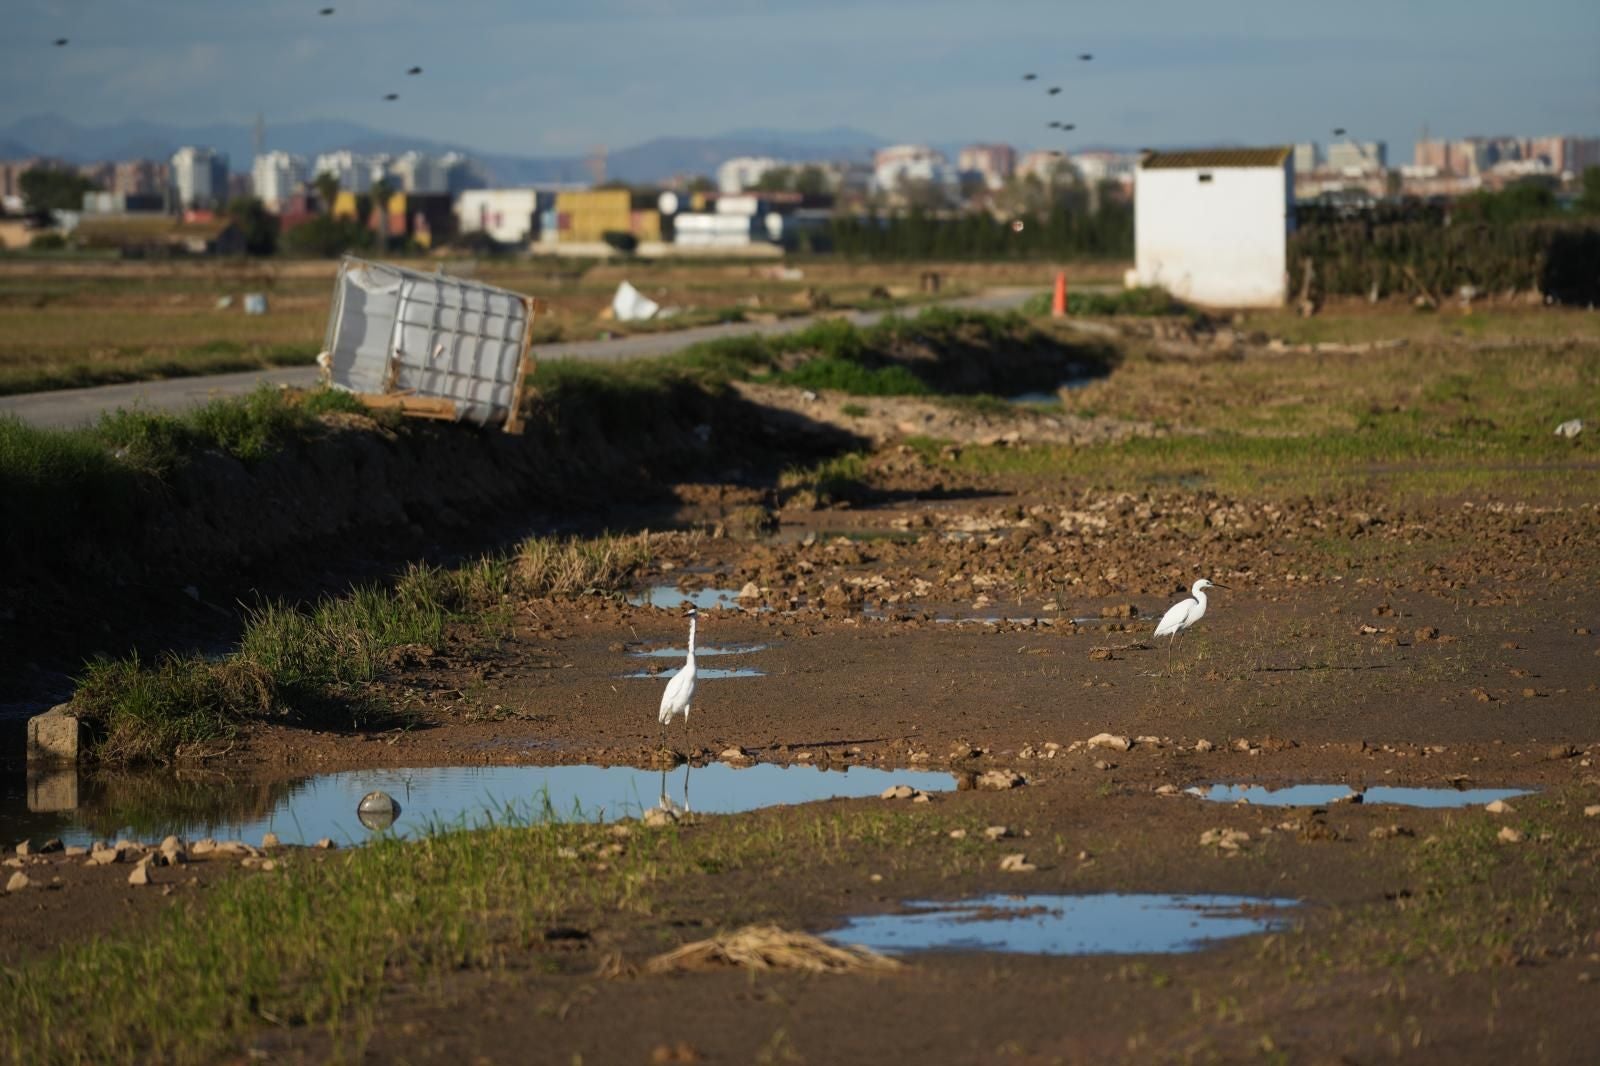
<point x="317" y="942"/>
<point x="1137" y="301"/>
<point x="981" y="403"/>
<point x="309" y="665"/>
<point x="853" y="410"/>
<point x="842" y="375"/>
<point x="842" y="478"/>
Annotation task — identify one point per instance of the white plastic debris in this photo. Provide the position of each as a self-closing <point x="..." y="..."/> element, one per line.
<point x="255" y="303"/>
<point x="1570" y="428"/>
<point x="631" y="305"/>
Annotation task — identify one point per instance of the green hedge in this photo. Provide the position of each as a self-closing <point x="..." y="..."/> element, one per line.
<point x="1559" y="259"/>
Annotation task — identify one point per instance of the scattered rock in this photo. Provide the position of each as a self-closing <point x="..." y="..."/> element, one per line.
<point x="656" y="816"/>
<point x="1204" y="745"/>
<point x="1499" y="807"/>
<point x="1388" y="832"/>
<point x="1509" y="835"/>
<point x="104" y="856"/>
<point x="1167" y="790"/>
<point x="751" y="591"/>
<point x="1592" y="811"/>
<point x="1100" y="655"/>
<point x="733" y="755"/>
<point x="921" y="797"/>
<point x="172" y="851"/>
<point x="327" y="844"/>
<point x="1101" y="764"/>
<point x="203" y="847"/>
<point x="1016" y="863"/>
<point x="1562" y="751"/>
<point x="51" y="846"/>
<point x="1226" y="839"/>
<point x="998" y="832"/>
<point x="958" y="834"/>
<point x="897" y="792"/>
<point x="25" y="848"/>
<point x="1110" y="740"/>
<point x="269" y="841"/>
<point x="140" y="874"/>
<point x="999" y="780"/>
<point x="1426" y="633"/>
<point x="18" y="882"/>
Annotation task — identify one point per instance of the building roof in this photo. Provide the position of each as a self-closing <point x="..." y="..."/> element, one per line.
<point x="1217" y="157"/>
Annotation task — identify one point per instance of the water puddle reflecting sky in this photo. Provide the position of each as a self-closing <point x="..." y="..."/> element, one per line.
<point x="151" y="806"/>
<point x="1108" y="923"/>
<point x="1314" y="795"/>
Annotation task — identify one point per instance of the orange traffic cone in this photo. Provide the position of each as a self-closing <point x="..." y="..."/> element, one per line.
<point x="1058" y="306"/>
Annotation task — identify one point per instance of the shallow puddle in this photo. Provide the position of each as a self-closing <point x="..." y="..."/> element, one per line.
<point x="1109" y="923"/>
<point x="702" y="673"/>
<point x="148" y="807"/>
<point x="1321" y="795"/>
<point x="701" y="652"/>
<point x="671" y="598"/>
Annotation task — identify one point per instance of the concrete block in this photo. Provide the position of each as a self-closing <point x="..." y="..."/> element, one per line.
<point x="53" y="789"/>
<point x="56" y="736"/>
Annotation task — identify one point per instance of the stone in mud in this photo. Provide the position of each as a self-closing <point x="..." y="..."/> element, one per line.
<point x="1101" y="764"/>
<point x="1204" y="745"/>
<point x="140" y="874"/>
<point x="325" y="844"/>
<point x="104" y="856"/>
<point x="958" y="834"/>
<point x="897" y="792"/>
<point x="203" y="847"/>
<point x="1167" y="790"/>
<point x="655" y="816"/>
<point x="999" y="780"/>
<point x="998" y="832"/>
<point x="1110" y="740"/>
<point x="1226" y="839"/>
<point x="1509" y="835"/>
<point x="1016" y="863"/>
<point x="269" y="841"/>
<point x="55" y="736"/>
<point x="18" y="882"/>
<point x="751" y="591"/>
<point x="1592" y="811"/>
<point x="1499" y="807"/>
<point x="25" y="848"/>
<point x="173" y="852"/>
<point x="50" y="846"/>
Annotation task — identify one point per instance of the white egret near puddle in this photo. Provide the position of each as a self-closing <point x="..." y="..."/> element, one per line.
<point x="680" y="690"/>
<point x="1185" y="613"/>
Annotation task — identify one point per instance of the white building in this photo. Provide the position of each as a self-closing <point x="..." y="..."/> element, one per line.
<point x="200" y="176"/>
<point x="507" y="216"/>
<point x="1043" y="164"/>
<point x="353" y="171"/>
<point x="994" y="163"/>
<point x="421" y="173"/>
<point x="276" y="176"/>
<point x="1096" y="167"/>
<point x="1357" y="157"/>
<point x="892" y="167"/>
<point x="1212" y="226"/>
<point x="1307" y="157"/>
<point x="744" y="172"/>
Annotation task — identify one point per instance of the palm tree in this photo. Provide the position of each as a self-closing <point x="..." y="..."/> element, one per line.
<point x="327" y="185"/>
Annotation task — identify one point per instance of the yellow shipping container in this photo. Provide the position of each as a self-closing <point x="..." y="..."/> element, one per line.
<point x="587" y="215"/>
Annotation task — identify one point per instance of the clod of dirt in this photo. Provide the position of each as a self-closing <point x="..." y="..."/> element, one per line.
<point x="1016" y="863"/>
<point x="998" y="832"/>
<point x="1101" y="764"/>
<point x="1225" y="839"/>
<point x="657" y="816"/>
<point x="1389" y="832"/>
<point x="1499" y="807"/>
<point x="1204" y="745"/>
<point x="897" y="792"/>
<point x="1509" y="835"/>
<point x="1111" y="741"/>
<point x="1592" y="811"/>
<point x="682" y="1051"/>
<point x="1101" y="655"/>
<point x="999" y="780"/>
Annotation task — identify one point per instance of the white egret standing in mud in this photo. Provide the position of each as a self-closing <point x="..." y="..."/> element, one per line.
<point x="1185" y="613"/>
<point x="680" y="690"/>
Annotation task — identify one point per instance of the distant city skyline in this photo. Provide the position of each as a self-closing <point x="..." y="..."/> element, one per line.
<point x="547" y="80"/>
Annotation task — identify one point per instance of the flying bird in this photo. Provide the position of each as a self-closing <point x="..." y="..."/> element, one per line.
<point x="1029" y="77"/>
<point x="326" y="11"/>
<point x="1055" y="125"/>
<point x="391" y="96"/>
<point x="1338" y="131"/>
<point x="1055" y="89"/>
<point x="61" y="42"/>
<point x="1184" y="613"/>
<point x="414" y="70"/>
<point x="1085" y="56"/>
<point x="680" y="690"/>
<point x="1068" y="126"/>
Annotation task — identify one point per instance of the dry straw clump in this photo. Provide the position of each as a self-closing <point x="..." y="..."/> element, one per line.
<point x="766" y="947"/>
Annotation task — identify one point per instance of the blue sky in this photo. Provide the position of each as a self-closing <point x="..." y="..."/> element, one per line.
<point x="539" y="78"/>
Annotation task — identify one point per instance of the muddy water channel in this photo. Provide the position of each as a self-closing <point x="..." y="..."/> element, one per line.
<point x="306" y="810"/>
<point x="1316" y="795"/>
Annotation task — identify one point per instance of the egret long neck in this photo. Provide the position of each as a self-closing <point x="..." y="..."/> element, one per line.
<point x="692" y="620"/>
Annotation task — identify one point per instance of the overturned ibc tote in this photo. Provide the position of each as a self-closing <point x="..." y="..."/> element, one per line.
<point x="431" y="345"/>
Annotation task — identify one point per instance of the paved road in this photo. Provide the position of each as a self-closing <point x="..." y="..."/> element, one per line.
<point x="76" y="407"/>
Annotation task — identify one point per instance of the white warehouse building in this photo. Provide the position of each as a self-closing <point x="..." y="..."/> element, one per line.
<point x="1212" y="226"/>
<point x="507" y="216"/>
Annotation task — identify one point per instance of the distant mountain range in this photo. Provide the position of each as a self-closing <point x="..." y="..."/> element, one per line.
<point x="654" y="160"/>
